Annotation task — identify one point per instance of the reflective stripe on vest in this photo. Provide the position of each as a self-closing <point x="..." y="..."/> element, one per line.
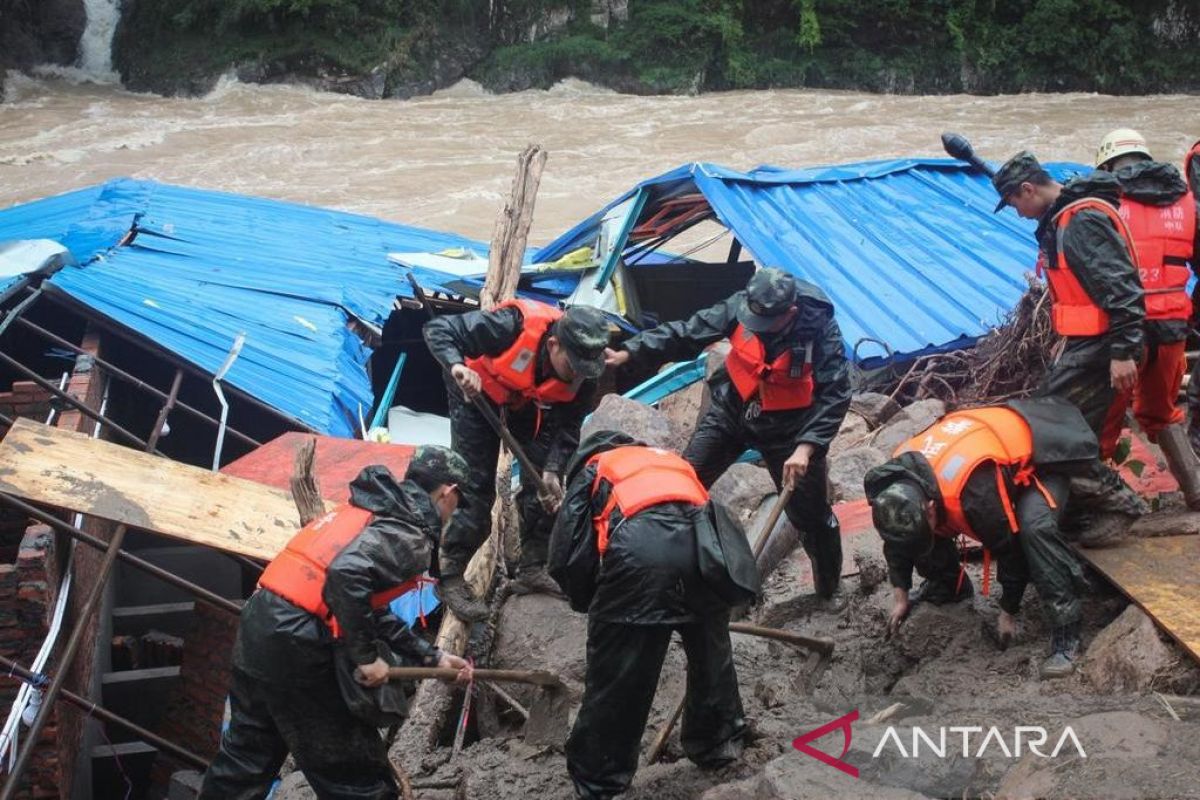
<point x="1074" y="313"/>
<point x="641" y="477"/>
<point x="1164" y="238"/>
<point x="963" y="440"/>
<point x="509" y="378"/>
<point x="297" y="574"/>
<point x="781" y="385"/>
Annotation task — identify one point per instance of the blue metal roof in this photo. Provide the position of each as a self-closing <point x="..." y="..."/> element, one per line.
<point x="908" y="250"/>
<point x="207" y="265"/>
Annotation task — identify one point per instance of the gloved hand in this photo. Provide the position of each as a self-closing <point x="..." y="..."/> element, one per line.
<point x="552" y="494"/>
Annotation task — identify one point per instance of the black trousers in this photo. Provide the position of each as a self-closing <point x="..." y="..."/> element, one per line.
<point x="342" y="757"/>
<point x="623" y="666"/>
<point x="473" y="438"/>
<point x="1042" y="556"/>
<point x="722" y="435"/>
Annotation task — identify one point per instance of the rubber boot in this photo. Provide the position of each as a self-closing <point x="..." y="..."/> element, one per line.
<point x="533" y="579"/>
<point x="1182" y="462"/>
<point x="1064" y="650"/>
<point x="459" y="599"/>
<point x="1104" y="530"/>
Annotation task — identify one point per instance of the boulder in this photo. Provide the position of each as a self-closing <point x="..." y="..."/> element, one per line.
<point x="537" y="631"/>
<point x="683" y="409"/>
<point x="910" y="421"/>
<point x="716" y="358"/>
<point x="846" y="471"/>
<point x="855" y="432"/>
<point x="742" y="490"/>
<point x="1128" y="655"/>
<point x="616" y="413"/>
<point x="875" y="408"/>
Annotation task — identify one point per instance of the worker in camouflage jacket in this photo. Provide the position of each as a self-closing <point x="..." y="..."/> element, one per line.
<point x="537" y="367"/>
<point x="1098" y="306"/>
<point x="322" y="603"/>
<point x="784" y="390"/>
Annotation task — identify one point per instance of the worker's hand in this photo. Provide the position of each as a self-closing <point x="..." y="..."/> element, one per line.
<point x="1123" y="374"/>
<point x="899" y="611"/>
<point x="373" y="674"/>
<point x="467" y="379"/>
<point x="552" y="497"/>
<point x="465" y="670"/>
<point x="615" y="358"/>
<point x="796" y="467"/>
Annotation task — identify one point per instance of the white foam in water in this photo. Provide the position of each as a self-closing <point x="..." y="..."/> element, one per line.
<point x="95" y="46"/>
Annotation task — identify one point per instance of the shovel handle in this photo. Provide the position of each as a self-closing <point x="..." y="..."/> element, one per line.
<point x="765" y="533"/>
<point x="488" y="413"/>
<point x="535" y="677"/>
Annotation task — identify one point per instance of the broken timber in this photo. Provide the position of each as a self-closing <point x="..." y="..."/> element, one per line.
<point x="1158" y="574"/>
<point x="101" y="479"/>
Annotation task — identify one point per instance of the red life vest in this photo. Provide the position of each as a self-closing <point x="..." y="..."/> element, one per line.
<point x="297" y="574"/>
<point x="641" y="477"/>
<point x="1165" y="238"/>
<point x="963" y="440"/>
<point x="509" y="378"/>
<point x="1074" y="312"/>
<point x="782" y="385"/>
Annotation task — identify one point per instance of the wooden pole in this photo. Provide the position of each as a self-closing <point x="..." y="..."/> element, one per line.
<point x="431" y="705"/>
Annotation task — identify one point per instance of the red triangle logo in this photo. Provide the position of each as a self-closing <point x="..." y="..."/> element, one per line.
<point x="801" y="743"/>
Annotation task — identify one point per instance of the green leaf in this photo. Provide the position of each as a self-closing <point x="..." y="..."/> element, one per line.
<point x="1135" y="467"/>
<point x="1122" y="452"/>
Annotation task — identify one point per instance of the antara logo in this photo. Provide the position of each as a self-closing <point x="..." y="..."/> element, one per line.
<point x="1024" y="737"/>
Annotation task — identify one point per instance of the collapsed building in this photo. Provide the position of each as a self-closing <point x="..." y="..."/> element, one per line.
<point x="218" y="331"/>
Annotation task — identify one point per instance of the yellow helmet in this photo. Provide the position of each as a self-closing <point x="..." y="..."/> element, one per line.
<point x="1121" y="142"/>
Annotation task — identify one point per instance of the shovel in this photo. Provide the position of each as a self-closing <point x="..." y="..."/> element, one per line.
<point x="957" y="146"/>
<point x="547" y="720"/>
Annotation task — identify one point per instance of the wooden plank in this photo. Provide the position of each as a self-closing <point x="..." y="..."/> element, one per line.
<point x="1160" y="576"/>
<point x="337" y="462"/>
<point x="102" y="479"/>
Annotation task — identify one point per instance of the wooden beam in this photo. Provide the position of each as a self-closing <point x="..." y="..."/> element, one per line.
<point x="70" y="470"/>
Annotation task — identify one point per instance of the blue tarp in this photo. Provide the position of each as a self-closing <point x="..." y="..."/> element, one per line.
<point x="908" y="250"/>
<point x="206" y="266"/>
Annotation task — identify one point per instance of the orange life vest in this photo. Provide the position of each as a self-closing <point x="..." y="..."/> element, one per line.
<point x="1165" y="238"/>
<point x="641" y="477"/>
<point x="781" y="385"/>
<point x="297" y="574"/>
<point x="1192" y="155"/>
<point x="510" y="378"/>
<point x="1074" y="312"/>
<point x="963" y="440"/>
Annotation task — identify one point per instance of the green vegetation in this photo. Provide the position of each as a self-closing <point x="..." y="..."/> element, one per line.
<point x="1118" y="46"/>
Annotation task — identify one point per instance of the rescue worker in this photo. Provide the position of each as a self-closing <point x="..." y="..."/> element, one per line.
<point x="329" y="589"/>
<point x="1088" y="261"/>
<point x="624" y="550"/>
<point x="539" y="365"/>
<point x="784" y="390"/>
<point x="999" y="475"/>
<point x="1161" y="215"/>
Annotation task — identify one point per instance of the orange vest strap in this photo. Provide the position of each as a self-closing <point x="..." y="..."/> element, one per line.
<point x="782" y="385"/>
<point x="1074" y="311"/>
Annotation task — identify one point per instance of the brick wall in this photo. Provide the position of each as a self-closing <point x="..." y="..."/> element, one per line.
<point x="28" y="588"/>
<point x="25" y="399"/>
<point x="197" y="705"/>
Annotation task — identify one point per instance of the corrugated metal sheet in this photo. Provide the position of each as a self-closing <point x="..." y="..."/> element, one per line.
<point x="206" y="266"/>
<point x="908" y="250"/>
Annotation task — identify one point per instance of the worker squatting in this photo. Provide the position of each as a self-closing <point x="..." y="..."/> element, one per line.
<point x="628" y="533"/>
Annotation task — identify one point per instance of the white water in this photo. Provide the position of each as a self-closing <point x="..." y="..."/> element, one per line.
<point x="95" y="46"/>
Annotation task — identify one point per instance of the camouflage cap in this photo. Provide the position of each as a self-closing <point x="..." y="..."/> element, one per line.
<point x="1021" y="168"/>
<point x="439" y="465"/>
<point x="898" y="512"/>
<point x="770" y="292"/>
<point x="583" y="332"/>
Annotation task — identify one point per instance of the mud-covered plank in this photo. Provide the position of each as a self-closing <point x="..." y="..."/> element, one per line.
<point x="106" y="480"/>
<point x="1159" y="575"/>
